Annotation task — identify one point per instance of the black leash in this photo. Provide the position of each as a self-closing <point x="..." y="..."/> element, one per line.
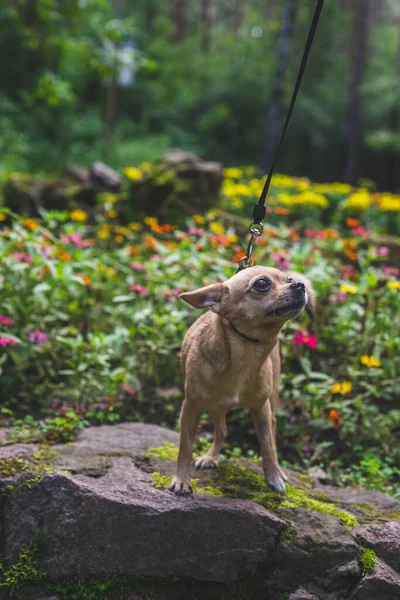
<point x="259" y="210"/>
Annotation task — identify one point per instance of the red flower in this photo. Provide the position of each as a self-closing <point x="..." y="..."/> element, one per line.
<point x="304" y="339"/>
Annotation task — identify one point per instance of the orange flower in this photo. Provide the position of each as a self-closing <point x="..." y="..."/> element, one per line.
<point x="335" y="419"/>
<point x="352" y="222"/>
<point x="351" y="244"/>
<point x="64" y="256"/>
<point x="331" y="233"/>
<point x="350" y="255"/>
<point x="294" y="236"/>
<point x="282" y="211"/>
<point x="271" y="233"/>
<point x="150" y="242"/>
<point x="167" y="227"/>
<point x="238" y="256"/>
<point x="31" y="224"/>
<point x="133" y="250"/>
<point x="86" y="280"/>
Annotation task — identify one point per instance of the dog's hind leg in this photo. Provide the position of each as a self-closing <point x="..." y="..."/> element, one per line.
<point x="262" y="419"/>
<point x="209" y="460"/>
<point x="180" y="484"/>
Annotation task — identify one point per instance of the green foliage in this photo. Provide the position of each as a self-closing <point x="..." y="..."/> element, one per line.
<point x="368" y="561"/>
<point x="166" y="452"/>
<point x="23" y="572"/>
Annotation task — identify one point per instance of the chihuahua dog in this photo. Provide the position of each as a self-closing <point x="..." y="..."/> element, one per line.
<point x="230" y="358"/>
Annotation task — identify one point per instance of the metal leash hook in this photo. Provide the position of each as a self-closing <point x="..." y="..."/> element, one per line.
<point x="256" y="230"/>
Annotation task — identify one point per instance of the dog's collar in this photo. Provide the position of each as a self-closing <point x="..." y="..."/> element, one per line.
<point x="246" y="337"/>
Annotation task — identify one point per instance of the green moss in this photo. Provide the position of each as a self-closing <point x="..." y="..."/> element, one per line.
<point x="13" y="466"/>
<point x="24" y="571"/>
<point x="297" y="497"/>
<point x="162" y="482"/>
<point x="367" y="560"/>
<point x="166" y="452"/>
<point x="287" y="534"/>
<point x="45" y="453"/>
<point x="233" y="480"/>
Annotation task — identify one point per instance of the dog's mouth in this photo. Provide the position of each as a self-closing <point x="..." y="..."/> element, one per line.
<point x="288" y="310"/>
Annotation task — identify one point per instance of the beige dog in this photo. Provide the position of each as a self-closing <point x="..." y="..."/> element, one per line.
<point x="230" y="358"/>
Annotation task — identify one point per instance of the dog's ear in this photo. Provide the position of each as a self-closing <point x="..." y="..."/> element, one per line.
<point x="207" y="297"/>
<point x="310" y="306"/>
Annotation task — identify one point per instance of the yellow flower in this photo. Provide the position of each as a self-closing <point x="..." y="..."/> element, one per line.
<point x="342" y="388"/>
<point x="103" y="234"/>
<point x="78" y="215"/>
<point x="135" y="226"/>
<point x="360" y="200"/>
<point x="347" y="386"/>
<point x="3" y="217"/>
<point x="370" y="361"/>
<point x="233" y="238"/>
<point x="150" y="221"/>
<point x="119" y="239"/>
<point x="133" y="173"/>
<point x="393" y="285"/>
<point x="388" y="202"/>
<point x="111" y="214"/>
<point x="199" y="219"/>
<point x="233" y="173"/>
<point x="348" y="289"/>
<point x="217" y="228"/>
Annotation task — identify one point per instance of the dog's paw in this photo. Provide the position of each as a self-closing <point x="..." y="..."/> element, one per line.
<point x="180" y="488"/>
<point x="204" y="462"/>
<point x="276" y="482"/>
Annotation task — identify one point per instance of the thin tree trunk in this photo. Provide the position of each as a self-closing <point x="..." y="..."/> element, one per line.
<point x="278" y="88"/>
<point x="205" y="19"/>
<point x="180" y="19"/>
<point x="358" y="59"/>
<point x="149" y="15"/>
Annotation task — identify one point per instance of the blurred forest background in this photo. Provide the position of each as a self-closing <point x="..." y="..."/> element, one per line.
<point x="123" y="80"/>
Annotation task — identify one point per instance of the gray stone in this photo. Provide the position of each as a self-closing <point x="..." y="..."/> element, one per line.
<point x="301" y="594"/>
<point x="382" y="584"/>
<point x="97" y="515"/>
<point x="120" y="525"/>
<point x="384" y="539"/>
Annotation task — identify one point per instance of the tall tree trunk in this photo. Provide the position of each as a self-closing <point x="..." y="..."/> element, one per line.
<point x="205" y="20"/>
<point x="238" y="14"/>
<point x="358" y="58"/>
<point x="180" y="19"/>
<point x="278" y="88"/>
<point x="149" y="15"/>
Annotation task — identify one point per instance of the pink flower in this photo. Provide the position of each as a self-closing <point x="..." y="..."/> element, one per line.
<point x="338" y="298"/>
<point x="171" y="295"/>
<point x="134" y="287"/>
<point x="23" y="257"/>
<point x="38" y="337"/>
<point x="381" y="250"/>
<point x="304" y="339"/>
<point x="7" y="341"/>
<point x="137" y="267"/>
<point x="156" y="257"/>
<point x="76" y="240"/>
<point x="196" y="231"/>
<point x="313" y="234"/>
<point x="6" y="321"/>
<point x="391" y="271"/>
<point x="129" y="389"/>
<point x="361" y="231"/>
<point x="281" y="261"/>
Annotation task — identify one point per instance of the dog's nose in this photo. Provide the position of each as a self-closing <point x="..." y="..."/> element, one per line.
<point x="297" y="285"/>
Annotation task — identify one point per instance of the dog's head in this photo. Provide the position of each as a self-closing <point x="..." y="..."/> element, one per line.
<point x="257" y="297"/>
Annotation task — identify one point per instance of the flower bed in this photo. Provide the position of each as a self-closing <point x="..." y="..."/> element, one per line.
<point x="91" y="324"/>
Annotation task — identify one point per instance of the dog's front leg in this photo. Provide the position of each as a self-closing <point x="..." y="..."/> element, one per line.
<point x="180" y="484"/>
<point x="262" y="419"/>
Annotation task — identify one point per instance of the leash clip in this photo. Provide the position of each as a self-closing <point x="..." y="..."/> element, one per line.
<point x="256" y="230"/>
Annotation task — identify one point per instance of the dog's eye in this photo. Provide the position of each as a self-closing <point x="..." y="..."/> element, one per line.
<point x="262" y="285"/>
